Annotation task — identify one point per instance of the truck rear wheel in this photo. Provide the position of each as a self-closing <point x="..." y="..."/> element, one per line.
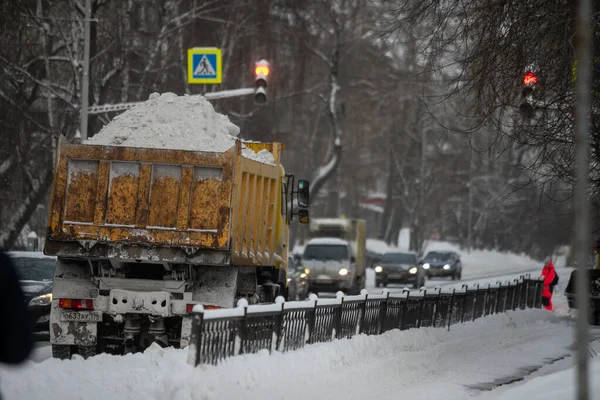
<point x="86" y="351"/>
<point x="62" y="351"/>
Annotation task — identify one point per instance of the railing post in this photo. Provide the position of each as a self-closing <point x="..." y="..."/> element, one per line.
<point x="485" y="300"/>
<point x="526" y="286"/>
<point x="421" y="308"/>
<point x="450" y="308"/>
<point x="435" y="307"/>
<point x="311" y="316"/>
<point x="363" y="311"/>
<point x="278" y="325"/>
<point x="337" y="322"/>
<point x="538" y="301"/>
<point x="383" y="312"/>
<point x="196" y="336"/>
<point x="405" y="309"/>
<point x="517" y="295"/>
<point x="462" y="314"/>
<point x="475" y="302"/>
<point x="242" y="331"/>
<point x="506" y="297"/>
<point x="496" y="307"/>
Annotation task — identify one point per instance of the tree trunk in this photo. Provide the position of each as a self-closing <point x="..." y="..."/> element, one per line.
<point x="24" y="213"/>
<point x="388" y="213"/>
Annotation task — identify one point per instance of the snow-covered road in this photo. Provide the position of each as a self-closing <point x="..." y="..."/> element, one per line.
<point x="479" y="267"/>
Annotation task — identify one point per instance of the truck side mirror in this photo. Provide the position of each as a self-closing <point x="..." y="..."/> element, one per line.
<point x="352" y="259"/>
<point x="303" y="216"/>
<point x="303" y="193"/>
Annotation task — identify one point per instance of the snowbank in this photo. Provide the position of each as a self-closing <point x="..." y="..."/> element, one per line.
<point x="420" y="364"/>
<point x="174" y="122"/>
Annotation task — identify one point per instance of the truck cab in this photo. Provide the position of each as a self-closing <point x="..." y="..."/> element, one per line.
<point x="329" y="265"/>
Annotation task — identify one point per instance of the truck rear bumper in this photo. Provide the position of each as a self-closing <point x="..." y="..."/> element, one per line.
<point x="85" y="333"/>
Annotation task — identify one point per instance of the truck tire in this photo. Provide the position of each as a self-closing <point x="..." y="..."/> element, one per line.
<point x="62" y="351"/>
<point x="86" y="351"/>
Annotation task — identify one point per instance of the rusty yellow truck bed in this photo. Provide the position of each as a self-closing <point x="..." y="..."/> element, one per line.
<point x="165" y="205"/>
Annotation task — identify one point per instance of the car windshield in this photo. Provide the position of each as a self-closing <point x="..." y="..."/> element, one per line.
<point x="326" y="252"/>
<point x="34" y="269"/>
<point x="399" y="258"/>
<point x="438" y="256"/>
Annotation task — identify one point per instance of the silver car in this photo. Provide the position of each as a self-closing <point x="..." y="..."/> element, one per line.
<point x="329" y="265"/>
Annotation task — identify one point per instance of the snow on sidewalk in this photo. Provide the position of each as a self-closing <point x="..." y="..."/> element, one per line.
<point x="422" y="364"/>
<point x="556" y="386"/>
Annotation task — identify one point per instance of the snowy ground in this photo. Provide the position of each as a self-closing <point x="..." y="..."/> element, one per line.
<point x="429" y="363"/>
<point x="557" y="382"/>
<point x="522" y="354"/>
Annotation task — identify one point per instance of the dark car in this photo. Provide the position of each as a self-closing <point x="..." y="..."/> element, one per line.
<point x="36" y="274"/>
<point x="399" y="267"/>
<point x="297" y="286"/>
<point x="442" y="264"/>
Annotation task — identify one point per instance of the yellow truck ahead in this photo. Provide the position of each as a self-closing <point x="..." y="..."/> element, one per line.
<point x="144" y="234"/>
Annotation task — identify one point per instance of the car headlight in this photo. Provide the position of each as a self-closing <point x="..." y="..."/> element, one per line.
<point x="289" y="279"/>
<point x="447" y="266"/>
<point x="413" y="270"/>
<point x="426" y="266"/>
<point x="302" y="275"/>
<point x="42" y="300"/>
<point x="379" y="268"/>
<point x="343" y="272"/>
<point x="306" y="271"/>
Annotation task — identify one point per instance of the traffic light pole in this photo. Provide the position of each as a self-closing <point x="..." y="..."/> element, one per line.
<point x="262" y="70"/>
<point x="85" y="82"/>
<point x="223" y="94"/>
<point x="583" y="52"/>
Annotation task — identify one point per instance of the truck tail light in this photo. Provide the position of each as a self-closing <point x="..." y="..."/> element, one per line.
<point x="76" y="304"/>
<point x="190" y="307"/>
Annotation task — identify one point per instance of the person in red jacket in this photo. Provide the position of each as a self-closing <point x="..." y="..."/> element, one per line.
<point x="548" y="273"/>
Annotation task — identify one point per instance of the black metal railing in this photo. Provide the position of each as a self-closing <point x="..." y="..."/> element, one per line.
<point x="218" y="334"/>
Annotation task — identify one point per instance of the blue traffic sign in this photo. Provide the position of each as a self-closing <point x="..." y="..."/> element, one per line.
<point x="204" y="65"/>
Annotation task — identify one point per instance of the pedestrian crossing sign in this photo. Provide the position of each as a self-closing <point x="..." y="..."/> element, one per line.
<point x="204" y="65"/>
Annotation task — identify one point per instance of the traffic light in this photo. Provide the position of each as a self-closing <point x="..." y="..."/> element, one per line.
<point x="529" y="80"/>
<point x="261" y="72"/>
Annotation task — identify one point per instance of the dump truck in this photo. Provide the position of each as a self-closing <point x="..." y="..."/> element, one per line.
<point x="142" y="235"/>
<point x="322" y="272"/>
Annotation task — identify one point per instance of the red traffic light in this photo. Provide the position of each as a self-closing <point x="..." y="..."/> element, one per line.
<point x="529" y="78"/>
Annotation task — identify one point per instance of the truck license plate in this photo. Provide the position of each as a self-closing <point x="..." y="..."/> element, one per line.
<point x="81" y="316"/>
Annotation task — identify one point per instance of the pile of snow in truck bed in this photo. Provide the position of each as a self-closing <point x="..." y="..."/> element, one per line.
<point x="168" y="121"/>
